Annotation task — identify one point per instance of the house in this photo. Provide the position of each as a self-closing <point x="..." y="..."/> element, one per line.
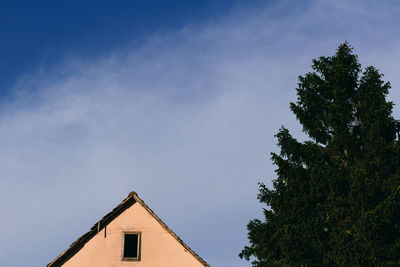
<point x="130" y="235"/>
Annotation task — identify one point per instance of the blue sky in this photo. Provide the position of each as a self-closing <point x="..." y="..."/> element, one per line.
<point x="44" y="31"/>
<point x="178" y="101"/>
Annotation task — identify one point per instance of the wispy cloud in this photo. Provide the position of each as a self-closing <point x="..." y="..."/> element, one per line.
<point x="186" y="120"/>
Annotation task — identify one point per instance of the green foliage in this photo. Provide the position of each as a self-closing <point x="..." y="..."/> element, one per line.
<point x="336" y="198"/>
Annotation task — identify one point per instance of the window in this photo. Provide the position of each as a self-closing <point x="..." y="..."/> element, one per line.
<point x="131" y="246"/>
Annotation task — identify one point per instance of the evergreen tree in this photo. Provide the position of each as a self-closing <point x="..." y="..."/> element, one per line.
<point x="336" y="198"/>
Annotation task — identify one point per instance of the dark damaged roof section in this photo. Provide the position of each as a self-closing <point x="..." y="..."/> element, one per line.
<point x="125" y="204"/>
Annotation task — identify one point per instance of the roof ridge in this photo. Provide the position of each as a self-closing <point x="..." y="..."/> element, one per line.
<point x="131" y="199"/>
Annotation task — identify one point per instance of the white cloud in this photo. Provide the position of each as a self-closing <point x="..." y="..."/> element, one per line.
<point x="186" y="120"/>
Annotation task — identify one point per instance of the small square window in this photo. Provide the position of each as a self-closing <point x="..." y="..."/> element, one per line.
<point x="131" y="246"/>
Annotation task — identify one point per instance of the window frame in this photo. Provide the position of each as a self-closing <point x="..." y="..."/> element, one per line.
<point x="138" y="246"/>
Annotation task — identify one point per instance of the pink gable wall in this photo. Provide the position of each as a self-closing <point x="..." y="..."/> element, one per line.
<point x="158" y="247"/>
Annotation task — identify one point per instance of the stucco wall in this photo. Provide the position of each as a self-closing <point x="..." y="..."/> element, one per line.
<point x="158" y="247"/>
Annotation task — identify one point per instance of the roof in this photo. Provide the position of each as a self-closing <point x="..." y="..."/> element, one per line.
<point x="131" y="199"/>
